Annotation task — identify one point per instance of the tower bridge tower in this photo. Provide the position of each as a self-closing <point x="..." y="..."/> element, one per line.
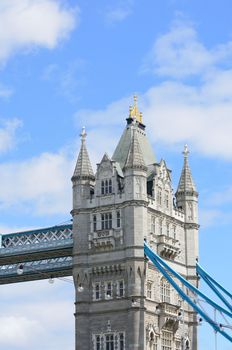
<point x="122" y="300"/>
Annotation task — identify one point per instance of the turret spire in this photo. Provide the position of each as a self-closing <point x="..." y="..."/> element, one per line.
<point x="186" y="183"/>
<point x="83" y="169"/>
<point x="135" y="157"/>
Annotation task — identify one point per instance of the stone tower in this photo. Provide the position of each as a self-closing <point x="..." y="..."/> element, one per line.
<point x="122" y="301"/>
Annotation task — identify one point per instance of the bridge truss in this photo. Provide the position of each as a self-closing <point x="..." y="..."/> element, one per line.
<point x="47" y="253"/>
<point x="37" y="254"/>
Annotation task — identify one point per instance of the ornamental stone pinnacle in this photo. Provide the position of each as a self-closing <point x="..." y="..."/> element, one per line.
<point x="83" y="169"/>
<point x="186" y="183"/>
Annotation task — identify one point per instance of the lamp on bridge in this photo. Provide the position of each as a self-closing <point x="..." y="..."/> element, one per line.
<point x="80" y="288"/>
<point x="20" y="269"/>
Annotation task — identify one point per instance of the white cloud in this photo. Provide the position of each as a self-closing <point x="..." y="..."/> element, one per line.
<point x="18" y="330"/>
<point x="5" y="91"/>
<point x="28" y="23"/>
<point x="8" y="138"/>
<point x="40" y="185"/>
<point x="119" y="13"/>
<point x="179" y="53"/>
<point x="25" y="326"/>
<point x="177" y="113"/>
<point x="68" y="79"/>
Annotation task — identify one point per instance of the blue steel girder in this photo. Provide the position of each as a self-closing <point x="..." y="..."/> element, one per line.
<point x="41" y="253"/>
<point x="36" y="270"/>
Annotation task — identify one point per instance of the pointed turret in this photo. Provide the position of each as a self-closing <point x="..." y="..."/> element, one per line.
<point x="83" y="176"/>
<point x="135" y="169"/>
<point x="186" y="194"/>
<point x="186" y="183"/>
<point x="135" y="158"/>
<point x="83" y="169"/>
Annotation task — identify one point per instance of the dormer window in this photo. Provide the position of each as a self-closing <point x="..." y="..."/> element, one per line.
<point x="103" y="187"/>
<point x="106" y="186"/>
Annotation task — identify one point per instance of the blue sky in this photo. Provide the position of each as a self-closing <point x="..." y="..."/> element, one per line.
<point x="65" y="64"/>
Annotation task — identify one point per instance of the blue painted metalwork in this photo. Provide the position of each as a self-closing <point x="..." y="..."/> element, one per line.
<point x="212" y="284"/>
<point x="185" y="282"/>
<point x="49" y="234"/>
<point x="42" y="253"/>
<point x="158" y="262"/>
<point x="37" y="266"/>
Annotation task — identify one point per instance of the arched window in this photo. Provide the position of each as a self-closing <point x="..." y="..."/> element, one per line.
<point x="106" y="187"/>
<point x="153" y="223"/>
<point x="110" y="220"/>
<point x="160" y="227"/>
<point x="98" y="342"/>
<point x="110" y="186"/>
<point x="94" y="223"/>
<point x="165" y="291"/>
<point x="118" y="219"/>
<point x="102" y="187"/>
<point x="159" y="196"/>
<point x="187" y="344"/>
<point x="149" y="290"/>
<point x="166" y="340"/>
<point x="153" y="341"/>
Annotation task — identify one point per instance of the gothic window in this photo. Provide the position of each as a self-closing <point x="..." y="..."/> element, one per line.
<point x="102" y="221"/>
<point x="94" y="223"/>
<point x="177" y="345"/>
<point x="97" y="291"/>
<point x="121" y="341"/>
<point x="168" y="229"/>
<point x="108" y="290"/>
<point x="159" y="196"/>
<point x="174" y="231"/>
<point x="102" y="187"/>
<point x="166" y="199"/>
<point x="106" y="221"/>
<point x="153" y="224"/>
<point x="118" y="219"/>
<point x="160" y="227"/>
<point x="106" y="187"/>
<point x="165" y="291"/>
<point x="110" y="343"/>
<point x="187" y="344"/>
<point x="121" y="289"/>
<point x="110" y="186"/>
<point x="166" y="340"/>
<point x="149" y="287"/>
<point x="153" y="341"/>
<point x="97" y="342"/>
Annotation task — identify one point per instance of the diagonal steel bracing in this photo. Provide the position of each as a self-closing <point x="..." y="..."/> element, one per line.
<point x="40" y="254"/>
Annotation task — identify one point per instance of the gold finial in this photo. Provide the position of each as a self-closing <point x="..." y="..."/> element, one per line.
<point x="134" y="112"/>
